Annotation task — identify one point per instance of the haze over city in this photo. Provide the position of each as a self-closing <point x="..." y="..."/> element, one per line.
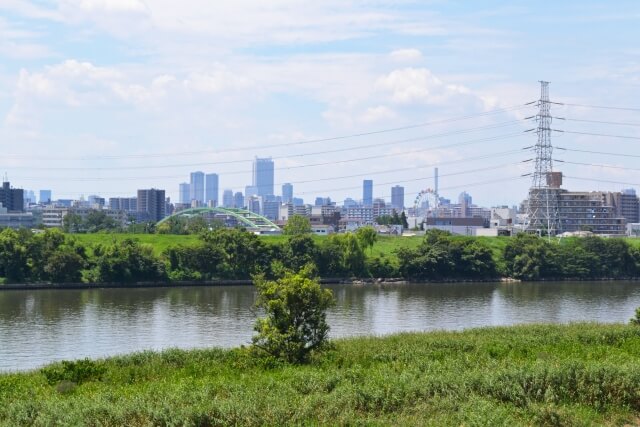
<point x="106" y="97"/>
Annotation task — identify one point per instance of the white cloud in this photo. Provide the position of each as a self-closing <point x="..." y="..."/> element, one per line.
<point x="418" y="85"/>
<point x="106" y="5"/>
<point x="406" y="55"/>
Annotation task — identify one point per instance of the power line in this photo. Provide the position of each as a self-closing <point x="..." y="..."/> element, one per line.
<point x="598" y="134"/>
<point x="485" y="156"/>
<point x="286" y="144"/>
<point x="602" y="180"/>
<point x="598" y="165"/>
<point x="604" y="153"/>
<point x="598" y="121"/>
<point x="597" y="106"/>
<point x="164" y="166"/>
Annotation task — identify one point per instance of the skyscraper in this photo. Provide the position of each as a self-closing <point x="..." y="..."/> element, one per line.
<point x="227" y="199"/>
<point x="397" y="198"/>
<point x="152" y="203"/>
<point x="45" y="197"/>
<point x="211" y="189"/>
<point x="12" y="198"/>
<point x="464" y="199"/>
<point x="238" y="200"/>
<point x="287" y="193"/>
<point x="196" y="187"/>
<point x="185" y="193"/>
<point x="263" y="176"/>
<point x="367" y="192"/>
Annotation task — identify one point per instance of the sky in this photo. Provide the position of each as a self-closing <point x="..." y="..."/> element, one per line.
<point x="108" y="96"/>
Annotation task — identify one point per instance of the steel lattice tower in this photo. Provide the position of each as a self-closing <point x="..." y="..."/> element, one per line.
<point x="542" y="210"/>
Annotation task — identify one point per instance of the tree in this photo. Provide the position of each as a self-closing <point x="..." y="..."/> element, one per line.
<point x="72" y="223"/>
<point x="127" y="261"/>
<point x="297" y="224"/>
<point x="367" y="237"/>
<point x="403" y="220"/>
<point x="14" y="261"/>
<point x="295" y="324"/>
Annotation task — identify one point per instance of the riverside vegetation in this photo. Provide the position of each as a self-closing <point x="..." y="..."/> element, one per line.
<point x="579" y="374"/>
<point x="227" y="254"/>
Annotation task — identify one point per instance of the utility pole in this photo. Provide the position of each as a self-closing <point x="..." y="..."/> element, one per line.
<point x="542" y="210"/>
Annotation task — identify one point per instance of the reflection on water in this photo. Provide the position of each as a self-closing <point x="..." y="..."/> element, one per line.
<point x="37" y="327"/>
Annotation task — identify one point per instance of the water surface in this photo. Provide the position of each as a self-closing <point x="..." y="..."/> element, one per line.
<point x="40" y="326"/>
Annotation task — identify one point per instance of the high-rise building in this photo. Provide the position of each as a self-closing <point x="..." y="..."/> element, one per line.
<point x="29" y="197"/>
<point x="263" y="176"/>
<point x="211" y="189"/>
<point x="630" y="206"/>
<point x="12" y="198"/>
<point x="397" y="198"/>
<point x="465" y="201"/>
<point x="250" y="190"/>
<point x="96" y="202"/>
<point x="227" y="199"/>
<point x="349" y="202"/>
<point x="196" y="187"/>
<point x="45" y="197"/>
<point x="287" y="193"/>
<point x="238" y="200"/>
<point x="129" y="204"/>
<point x="185" y="193"/>
<point x="367" y="192"/>
<point x="152" y="203"/>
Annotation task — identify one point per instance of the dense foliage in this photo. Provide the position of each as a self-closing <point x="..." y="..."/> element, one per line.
<point x="531" y="258"/>
<point x="232" y="254"/>
<point x="570" y="375"/>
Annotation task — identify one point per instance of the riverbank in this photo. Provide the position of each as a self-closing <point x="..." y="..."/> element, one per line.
<point x="576" y="374"/>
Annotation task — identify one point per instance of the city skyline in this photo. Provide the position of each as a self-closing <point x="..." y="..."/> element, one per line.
<point x="141" y="111"/>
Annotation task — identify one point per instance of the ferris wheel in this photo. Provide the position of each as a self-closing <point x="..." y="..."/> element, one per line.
<point x="428" y="195"/>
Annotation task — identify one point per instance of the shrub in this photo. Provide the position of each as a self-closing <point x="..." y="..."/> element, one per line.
<point x="295" y="324"/>
<point x="73" y="371"/>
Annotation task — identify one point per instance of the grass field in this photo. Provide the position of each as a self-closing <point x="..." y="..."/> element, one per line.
<point x="580" y="374"/>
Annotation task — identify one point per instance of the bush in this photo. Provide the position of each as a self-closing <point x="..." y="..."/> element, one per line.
<point x="636" y="319"/>
<point x="77" y="372"/>
<point x="295" y="324"/>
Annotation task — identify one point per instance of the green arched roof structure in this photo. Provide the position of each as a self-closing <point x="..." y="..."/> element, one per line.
<point x="246" y="218"/>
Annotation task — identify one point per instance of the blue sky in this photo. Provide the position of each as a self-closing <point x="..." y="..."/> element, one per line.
<point x="107" y="96"/>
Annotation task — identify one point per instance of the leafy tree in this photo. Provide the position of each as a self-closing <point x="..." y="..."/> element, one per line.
<point x="295" y="323"/>
<point x="72" y="223"/>
<point x="64" y="266"/>
<point x="367" y="236"/>
<point x="403" y="220"/>
<point x="127" y="261"/>
<point x="636" y="319"/>
<point x="441" y="256"/>
<point x="98" y="220"/>
<point x="298" y="251"/>
<point x="14" y="256"/>
<point x="529" y="257"/>
<point x="244" y="253"/>
<point x="297" y="224"/>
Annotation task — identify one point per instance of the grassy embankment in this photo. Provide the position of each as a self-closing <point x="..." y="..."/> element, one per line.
<point x="580" y="374"/>
<point x="384" y="246"/>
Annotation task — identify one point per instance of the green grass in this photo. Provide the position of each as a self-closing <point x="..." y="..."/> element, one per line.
<point x="160" y="242"/>
<point x="580" y="374"/>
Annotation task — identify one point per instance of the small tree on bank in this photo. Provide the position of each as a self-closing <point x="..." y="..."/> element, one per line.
<point x="636" y="319"/>
<point x="295" y="324"/>
<point x="296" y="225"/>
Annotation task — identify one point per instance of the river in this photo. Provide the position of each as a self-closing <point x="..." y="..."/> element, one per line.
<point x="41" y="326"/>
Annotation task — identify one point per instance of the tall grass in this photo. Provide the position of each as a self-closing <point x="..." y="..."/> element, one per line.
<point x="578" y="374"/>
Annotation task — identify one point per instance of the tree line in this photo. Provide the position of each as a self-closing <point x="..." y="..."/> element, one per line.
<point x="229" y="254"/>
